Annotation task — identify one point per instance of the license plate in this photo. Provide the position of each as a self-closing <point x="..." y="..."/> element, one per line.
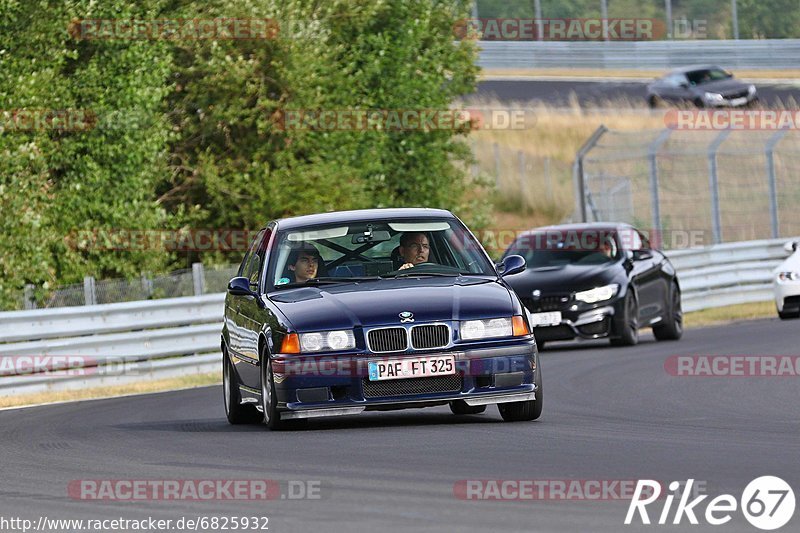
<point x="552" y="318"/>
<point x="416" y="367"/>
<point x="739" y="101"/>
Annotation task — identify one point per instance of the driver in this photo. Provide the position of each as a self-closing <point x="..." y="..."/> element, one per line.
<point x="414" y="249"/>
<point x="303" y="263"/>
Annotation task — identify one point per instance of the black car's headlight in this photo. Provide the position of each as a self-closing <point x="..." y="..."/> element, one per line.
<point x="598" y="294"/>
<point x="493" y="328"/>
<point x="327" y="341"/>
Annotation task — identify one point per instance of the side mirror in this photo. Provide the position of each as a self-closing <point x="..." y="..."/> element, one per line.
<point x="791" y="246"/>
<point x="513" y="264"/>
<point x="642" y="255"/>
<point x="240" y="287"/>
<point x="683" y="85"/>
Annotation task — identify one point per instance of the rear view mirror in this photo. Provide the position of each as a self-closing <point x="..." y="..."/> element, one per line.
<point x="791" y="246"/>
<point x="513" y="264"/>
<point x="371" y="236"/>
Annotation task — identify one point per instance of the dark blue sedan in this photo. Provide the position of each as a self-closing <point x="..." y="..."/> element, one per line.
<point x="340" y="313"/>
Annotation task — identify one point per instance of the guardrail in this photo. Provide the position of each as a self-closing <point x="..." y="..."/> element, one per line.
<point x="650" y="55"/>
<point x="125" y="342"/>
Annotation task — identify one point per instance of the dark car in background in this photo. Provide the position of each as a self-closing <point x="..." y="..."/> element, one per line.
<point x="594" y="281"/>
<point x="701" y="86"/>
<point x="327" y="317"/>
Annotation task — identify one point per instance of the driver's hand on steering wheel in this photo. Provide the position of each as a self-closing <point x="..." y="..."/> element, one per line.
<point x="407" y="265"/>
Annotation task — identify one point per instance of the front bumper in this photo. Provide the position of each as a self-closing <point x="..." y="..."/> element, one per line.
<point x="484" y="375"/>
<point x="787" y="296"/>
<point x="578" y="319"/>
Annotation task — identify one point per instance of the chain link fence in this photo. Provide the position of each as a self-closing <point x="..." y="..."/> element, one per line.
<point x="186" y="282"/>
<point x="720" y="186"/>
<point x="524" y="181"/>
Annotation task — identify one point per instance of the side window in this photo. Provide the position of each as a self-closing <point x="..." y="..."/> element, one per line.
<point x="252" y="261"/>
<point x="645" y="244"/>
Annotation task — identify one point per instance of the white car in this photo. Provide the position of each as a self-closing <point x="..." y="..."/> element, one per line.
<point x="787" y="283"/>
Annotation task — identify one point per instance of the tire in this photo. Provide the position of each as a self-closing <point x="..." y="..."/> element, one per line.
<point x="269" y="400"/>
<point x="540" y="345"/>
<point x="671" y="328"/>
<point x="698" y="103"/>
<point x="653" y="101"/>
<point x="629" y="332"/>
<point x="528" y="410"/>
<point x="235" y="411"/>
<point x="460" y="407"/>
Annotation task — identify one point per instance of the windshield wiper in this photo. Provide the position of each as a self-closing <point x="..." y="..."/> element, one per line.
<point x="313" y="282"/>
<point x="409" y="273"/>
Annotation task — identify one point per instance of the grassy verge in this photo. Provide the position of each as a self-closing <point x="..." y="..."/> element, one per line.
<point x="730" y="313"/>
<point x="789" y="75"/>
<point x="184" y="382"/>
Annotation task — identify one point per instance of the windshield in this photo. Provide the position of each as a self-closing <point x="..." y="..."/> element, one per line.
<point x="699" y="77"/>
<point x="362" y="251"/>
<point x="556" y="249"/>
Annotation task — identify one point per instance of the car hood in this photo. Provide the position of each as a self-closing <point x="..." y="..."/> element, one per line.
<point x="378" y="303"/>
<point x="565" y="279"/>
<point x="723" y="87"/>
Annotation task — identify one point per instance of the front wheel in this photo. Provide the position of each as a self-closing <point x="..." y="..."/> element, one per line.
<point x="269" y="400"/>
<point x="234" y="410"/>
<point x="671" y="328"/>
<point x="528" y="410"/>
<point x="629" y="329"/>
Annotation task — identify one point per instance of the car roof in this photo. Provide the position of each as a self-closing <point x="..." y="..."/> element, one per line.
<point x="580" y="226"/>
<point x="692" y="68"/>
<point x="362" y="215"/>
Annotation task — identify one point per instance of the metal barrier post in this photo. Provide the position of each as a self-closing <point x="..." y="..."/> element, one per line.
<point x="773" y="186"/>
<point x="713" y="185"/>
<point x="89" y="291"/>
<point x="655" y="201"/>
<point x="578" y="178"/>
<point x="198" y="278"/>
<point x="30" y="301"/>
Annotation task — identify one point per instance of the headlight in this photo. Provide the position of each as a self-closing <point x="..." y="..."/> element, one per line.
<point x="598" y="294"/>
<point x="789" y="276"/>
<point x="714" y="97"/>
<point x="327" y="341"/>
<point x="751" y="90"/>
<point x="486" y="329"/>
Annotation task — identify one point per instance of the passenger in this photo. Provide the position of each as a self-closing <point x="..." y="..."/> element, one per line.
<point x="414" y="249"/>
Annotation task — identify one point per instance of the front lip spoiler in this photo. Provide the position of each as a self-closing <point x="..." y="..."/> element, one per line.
<point x="488" y="399"/>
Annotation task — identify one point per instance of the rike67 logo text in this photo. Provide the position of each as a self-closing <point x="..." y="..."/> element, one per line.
<point x="767" y="503"/>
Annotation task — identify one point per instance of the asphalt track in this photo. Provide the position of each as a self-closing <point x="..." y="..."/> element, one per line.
<point x="600" y="93"/>
<point x="610" y="414"/>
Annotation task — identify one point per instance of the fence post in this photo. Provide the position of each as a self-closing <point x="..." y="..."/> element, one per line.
<point x="773" y="185"/>
<point x="578" y="178"/>
<point x="198" y="278"/>
<point x="30" y="300"/>
<point x="713" y="185"/>
<point x="655" y="201"/>
<point x="496" y="150"/>
<point x="548" y="180"/>
<point x="89" y="291"/>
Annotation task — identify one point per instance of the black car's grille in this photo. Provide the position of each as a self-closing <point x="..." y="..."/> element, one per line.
<point x="741" y="94"/>
<point x="408" y="387"/>
<point x="388" y="340"/>
<point x="433" y="336"/>
<point x="547" y="303"/>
